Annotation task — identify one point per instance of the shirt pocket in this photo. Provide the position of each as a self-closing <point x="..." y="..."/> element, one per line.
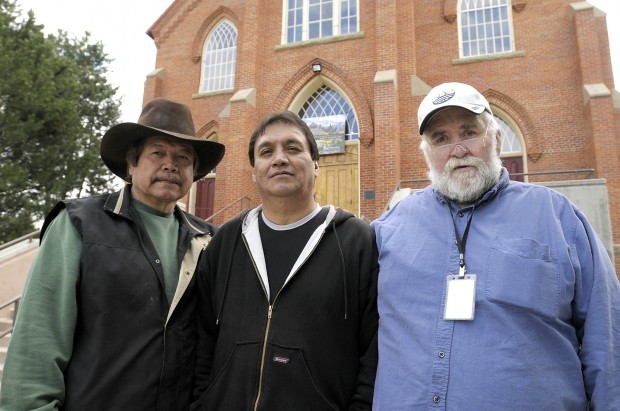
<point x="524" y="274"/>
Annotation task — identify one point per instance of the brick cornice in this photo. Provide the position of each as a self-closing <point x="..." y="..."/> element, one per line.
<point x="304" y="75"/>
<point x="168" y="26"/>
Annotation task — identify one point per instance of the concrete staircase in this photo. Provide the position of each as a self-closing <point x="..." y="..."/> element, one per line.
<point x="5" y="323"/>
<point x="15" y="261"/>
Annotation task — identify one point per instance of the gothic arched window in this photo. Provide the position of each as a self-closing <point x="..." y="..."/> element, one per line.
<point x="327" y="102"/>
<point x="219" y="58"/>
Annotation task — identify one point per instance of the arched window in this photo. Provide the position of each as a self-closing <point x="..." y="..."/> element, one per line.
<point x="327" y="102"/>
<point x="511" y="145"/>
<point x="315" y="19"/>
<point x="219" y="58"/>
<point x="485" y="27"/>
<point x="513" y="150"/>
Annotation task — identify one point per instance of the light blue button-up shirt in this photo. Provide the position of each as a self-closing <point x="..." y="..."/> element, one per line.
<point x="546" y="332"/>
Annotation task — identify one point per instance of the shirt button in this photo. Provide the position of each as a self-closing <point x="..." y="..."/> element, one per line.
<point x="441" y="354"/>
<point x="157" y="261"/>
<point x="460" y="214"/>
<point x="436" y="399"/>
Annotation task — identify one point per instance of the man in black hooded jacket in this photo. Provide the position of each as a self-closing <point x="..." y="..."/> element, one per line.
<point x="287" y="292"/>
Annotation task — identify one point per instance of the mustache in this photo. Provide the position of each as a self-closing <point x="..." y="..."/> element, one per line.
<point x="453" y="163"/>
<point x="167" y="178"/>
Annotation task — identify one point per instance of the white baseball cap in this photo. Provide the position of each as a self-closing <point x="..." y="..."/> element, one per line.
<point x="450" y="95"/>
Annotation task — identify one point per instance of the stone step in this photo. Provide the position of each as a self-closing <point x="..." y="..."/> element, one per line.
<point x="4" y="344"/>
<point x="6" y="322"/>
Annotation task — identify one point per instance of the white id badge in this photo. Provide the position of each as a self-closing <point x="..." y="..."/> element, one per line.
<point x="460" y="297"/>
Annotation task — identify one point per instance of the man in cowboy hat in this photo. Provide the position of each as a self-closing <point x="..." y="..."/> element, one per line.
<point x="107" y="315"/>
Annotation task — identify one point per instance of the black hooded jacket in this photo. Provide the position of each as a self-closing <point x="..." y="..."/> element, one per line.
<point x="314" y="348"/>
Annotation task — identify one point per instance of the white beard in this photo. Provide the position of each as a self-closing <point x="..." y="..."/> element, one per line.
<point x="467" y="187"/>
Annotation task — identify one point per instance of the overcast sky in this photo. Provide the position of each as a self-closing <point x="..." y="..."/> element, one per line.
<point x="122" y="24"/>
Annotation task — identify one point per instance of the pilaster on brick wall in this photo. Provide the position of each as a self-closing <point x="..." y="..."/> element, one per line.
<point x="588" y="47"/>
<point x="387" y="138"/>
<point x="153" y="85"/>
<point x="386" y="110"/>
<point x="234" y="173"/>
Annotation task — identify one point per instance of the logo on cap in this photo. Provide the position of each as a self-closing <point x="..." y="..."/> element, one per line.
<point x="443" y="97"/>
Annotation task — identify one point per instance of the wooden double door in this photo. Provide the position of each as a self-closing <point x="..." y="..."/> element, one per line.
<point x="338" y="180"/>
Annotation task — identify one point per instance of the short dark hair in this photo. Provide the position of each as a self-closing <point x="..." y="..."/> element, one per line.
<point x="283" y="117"/>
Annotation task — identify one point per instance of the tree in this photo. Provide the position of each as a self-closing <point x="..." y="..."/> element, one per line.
<point x="55" y="105"/>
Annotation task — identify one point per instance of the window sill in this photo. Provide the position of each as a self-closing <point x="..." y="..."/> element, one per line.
<point x="212" y="93"/>
<point x="324" y="40"/>
<point x="488" y="57"/>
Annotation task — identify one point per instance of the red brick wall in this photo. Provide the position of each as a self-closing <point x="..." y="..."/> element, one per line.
<point x="541" y="88"/>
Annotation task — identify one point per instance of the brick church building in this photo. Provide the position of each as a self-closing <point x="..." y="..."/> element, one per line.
<point x="360" y="68"/>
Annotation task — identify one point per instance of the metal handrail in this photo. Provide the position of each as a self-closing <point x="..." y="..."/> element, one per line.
<point x="31" y="236"/>
<point x="587" y="171"/>
<point x="15" y="302"/>
<point x="241" y="208"/>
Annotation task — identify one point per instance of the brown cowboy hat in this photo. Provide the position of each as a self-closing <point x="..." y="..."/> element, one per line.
<point x="159" y="117"/>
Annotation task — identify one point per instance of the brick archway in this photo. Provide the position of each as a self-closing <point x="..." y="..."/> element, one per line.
<point x="535" y="145"/>
<point x="304" y="75"/>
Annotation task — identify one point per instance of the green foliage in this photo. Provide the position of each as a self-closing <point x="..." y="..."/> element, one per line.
<point x="55" y="105"/>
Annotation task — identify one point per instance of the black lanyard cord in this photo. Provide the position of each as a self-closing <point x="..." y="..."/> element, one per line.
<point x="460" y="242"/>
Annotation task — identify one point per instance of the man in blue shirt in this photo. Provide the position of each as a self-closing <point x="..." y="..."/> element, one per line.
<point x="493" y="294"/>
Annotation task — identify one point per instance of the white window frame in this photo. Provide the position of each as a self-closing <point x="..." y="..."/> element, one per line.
<point x="205" y="70"/>
<point x="305" y="31"/>
<point x="485" y="4"/>
<point x="516" y="137"/>
<point x="512" y="144"/>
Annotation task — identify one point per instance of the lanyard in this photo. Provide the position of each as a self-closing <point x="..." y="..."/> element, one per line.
<point x="460" y="242"/>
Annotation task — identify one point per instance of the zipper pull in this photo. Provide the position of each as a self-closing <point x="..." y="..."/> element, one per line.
<point x="269" y="313"/>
